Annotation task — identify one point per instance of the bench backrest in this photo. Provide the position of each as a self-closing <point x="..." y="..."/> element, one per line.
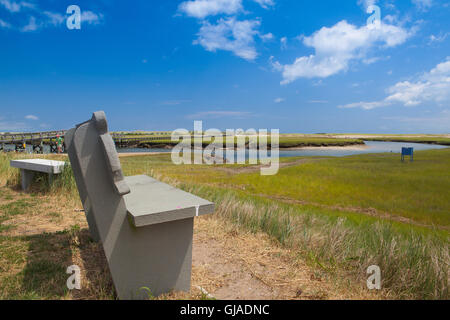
<point x="137" y="256"/>
<point x="97" y="172"/>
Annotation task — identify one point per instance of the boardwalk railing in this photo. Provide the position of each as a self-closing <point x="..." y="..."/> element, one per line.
<point x="37" y="141"/>
<point x="11" y="138"/>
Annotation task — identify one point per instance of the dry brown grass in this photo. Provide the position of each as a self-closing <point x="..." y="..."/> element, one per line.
<point x="228" y="262"/>
<point x="232" y="263"/>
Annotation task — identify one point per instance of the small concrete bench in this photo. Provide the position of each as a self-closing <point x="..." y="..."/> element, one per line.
<point x="144" y="225"/>
<point x="29" y="166"/>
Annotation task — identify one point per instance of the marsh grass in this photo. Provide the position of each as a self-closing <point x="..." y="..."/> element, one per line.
<point x="419" y="190"/>
<point x="284" y="142"/>
<point x="414" y="259"/>
<point x="414" y="265"/>
<point x="422" y="139"/>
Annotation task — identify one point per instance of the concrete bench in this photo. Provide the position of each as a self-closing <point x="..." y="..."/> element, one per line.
<point x="29" y="166"/>
<point x="144" y="225"/>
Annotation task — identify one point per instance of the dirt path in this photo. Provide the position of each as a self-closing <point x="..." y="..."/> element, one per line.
<point x="231" y="264"/>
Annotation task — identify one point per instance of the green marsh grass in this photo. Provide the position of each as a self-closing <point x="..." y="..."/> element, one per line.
<point x="414" y="258"/>
<point x="284" y="142"/>
<point x="414" y="264"/>
<point x="422" y="139"/>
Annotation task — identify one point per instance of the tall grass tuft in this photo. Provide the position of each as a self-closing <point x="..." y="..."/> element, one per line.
<point x="65" y="181"/>
<point x="8" y="175"/>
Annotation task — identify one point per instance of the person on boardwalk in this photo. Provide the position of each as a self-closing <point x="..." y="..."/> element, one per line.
<point x="59" y="143"/>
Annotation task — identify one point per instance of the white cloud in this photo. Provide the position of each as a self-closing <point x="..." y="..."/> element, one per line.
<point x="54" y="18"/>
<point x="230" y="35"/>
<point x="265" y="3"/>
<point x="423" y="4"/>
<point x="439" y="38"/>
<point x="267" y="36"/>
<point x="31" y="117"/>
<point x="432" y="86"/>
<point x="42" y="18"/>
<point x="367" y="3"/>
<point x="91" y="17"/>
<point x="283" y="42"/>
<point x="31" y="26"/>
<point x="4" y="24"/>
<point x="279" y="100"/>
<point x="227" y="33"/>
<point x="15" y="7"/>
<point x="364" y="105"/>
<point x="336" y="47"/>
<point x="203" y="8"/>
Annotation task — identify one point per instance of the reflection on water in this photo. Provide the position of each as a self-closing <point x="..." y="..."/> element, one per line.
<point x="371" y="147"/>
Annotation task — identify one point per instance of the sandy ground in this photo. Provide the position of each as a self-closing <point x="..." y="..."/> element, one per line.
<point x="233" y="265"/>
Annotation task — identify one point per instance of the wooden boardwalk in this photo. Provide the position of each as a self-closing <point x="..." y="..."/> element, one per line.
<point x="40" y="141"/>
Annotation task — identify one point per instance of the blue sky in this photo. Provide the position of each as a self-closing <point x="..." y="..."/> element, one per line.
<point x="298" y="66"/>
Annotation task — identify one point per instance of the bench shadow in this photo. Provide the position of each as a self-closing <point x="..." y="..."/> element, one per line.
<point x="96" y="270"/>
<point x="44" y="275"/>
<point x="50" y="254"/>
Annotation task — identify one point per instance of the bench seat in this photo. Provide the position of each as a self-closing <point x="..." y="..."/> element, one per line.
<point x="151" y="202"/>
<point x="29" y="166"/>
<point x="40" y="165"/>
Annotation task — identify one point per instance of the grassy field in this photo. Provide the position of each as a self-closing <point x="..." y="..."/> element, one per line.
<point x="418" y="191"/>
<point x="425" y="139"/>
<point x="320" y="140"/>
<point x="416" y="138"/>
<point x="341" y="215"/>
<point x="285" y="141"/>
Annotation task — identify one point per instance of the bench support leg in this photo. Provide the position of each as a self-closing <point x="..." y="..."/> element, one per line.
<point x="157" y="257"/>
<point x="27" y="178"/>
